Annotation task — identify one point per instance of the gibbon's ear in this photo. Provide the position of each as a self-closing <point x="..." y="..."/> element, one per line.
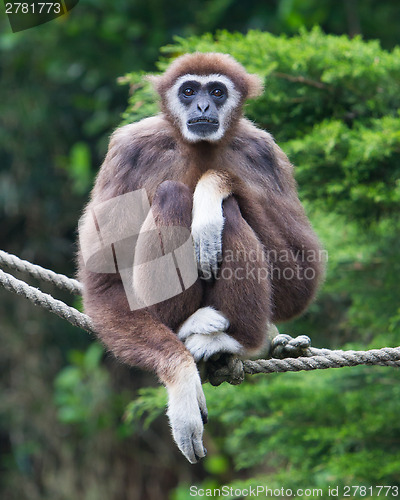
<point x="255" y="86"/>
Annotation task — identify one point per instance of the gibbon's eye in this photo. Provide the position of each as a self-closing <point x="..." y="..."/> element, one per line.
<point x="188" y="92"/>
<point x="217" y="93"/>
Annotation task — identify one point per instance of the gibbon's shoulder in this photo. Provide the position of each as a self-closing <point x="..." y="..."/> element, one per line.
<point x="261" y="154"/>
<point x="254" y="144"/>
<point x="249" y="130"/>
<point x="151" y="131"/>
<point x="142" y="147"/>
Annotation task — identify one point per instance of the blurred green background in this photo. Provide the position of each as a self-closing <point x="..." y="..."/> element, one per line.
<point x="75" y="424"/>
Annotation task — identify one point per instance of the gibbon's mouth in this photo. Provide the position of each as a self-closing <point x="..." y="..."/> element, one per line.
<point x="203" y="119"/>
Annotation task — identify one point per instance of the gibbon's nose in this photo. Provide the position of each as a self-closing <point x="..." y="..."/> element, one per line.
<point x="203" y="105"/>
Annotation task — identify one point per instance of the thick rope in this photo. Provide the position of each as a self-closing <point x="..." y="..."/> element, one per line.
<point x="38" y="272"/>
<point x="234" y="370"/>
<point x="46" y="301"/>
<point x="226" y="368"/>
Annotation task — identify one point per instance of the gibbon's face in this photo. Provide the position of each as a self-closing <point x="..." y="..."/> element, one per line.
<point x="203" y="106"/>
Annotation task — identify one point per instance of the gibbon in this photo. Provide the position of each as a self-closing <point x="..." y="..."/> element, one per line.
<point x="207" y="180"/>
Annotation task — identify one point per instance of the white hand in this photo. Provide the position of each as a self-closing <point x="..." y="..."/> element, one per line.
<point x="207" y="238"/>
<point x="208" y="221"/>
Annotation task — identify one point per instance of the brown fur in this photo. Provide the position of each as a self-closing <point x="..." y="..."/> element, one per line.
<point x="199" y="63"/>
<point x="263" y="214"/>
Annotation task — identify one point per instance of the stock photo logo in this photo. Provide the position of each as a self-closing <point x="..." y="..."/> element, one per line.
<point x="121" y="236"/>
<point x="28" y="14"/>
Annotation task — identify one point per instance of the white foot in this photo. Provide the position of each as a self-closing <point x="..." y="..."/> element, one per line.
<point x="187" y="411"/>
<point x="205" y="320"/>
<point x="203" y="346"/>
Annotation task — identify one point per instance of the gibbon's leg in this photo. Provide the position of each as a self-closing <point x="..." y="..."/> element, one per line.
<point x="296" y="270"/>
<point x="141" y="339"/>
<point x="237" y="302"/>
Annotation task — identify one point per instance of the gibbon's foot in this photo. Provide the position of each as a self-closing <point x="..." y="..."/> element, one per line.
<point x="204" y="334"/>
<point x="205" y="320"/>
<point x="203" y="346"/>
<point x="187" y="412"/>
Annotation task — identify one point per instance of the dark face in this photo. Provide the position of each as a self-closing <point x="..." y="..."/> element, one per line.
<point x="202" y="104"/>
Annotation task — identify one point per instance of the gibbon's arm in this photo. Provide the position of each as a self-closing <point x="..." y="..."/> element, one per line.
<point x="208" y="220"/>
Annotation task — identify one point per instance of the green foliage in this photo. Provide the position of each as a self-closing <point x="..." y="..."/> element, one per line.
<point x="216" y="464"/>
<point x="287" y="414"/>
<point x="142" y="97"/>
<point x="80" y="167"/>
<point x="147" y="406"/>
<point x="83" y="393"/>
<point x="361" y="162"/>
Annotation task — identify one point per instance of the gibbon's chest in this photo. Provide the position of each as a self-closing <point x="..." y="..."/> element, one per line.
<point x="174" y="164"/>
<point x="187" y="165"/>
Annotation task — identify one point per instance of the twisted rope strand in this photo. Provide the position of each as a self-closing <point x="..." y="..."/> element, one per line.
<point x="46" y="301"/>
<point x="313" y="358"/>
<point x="334" y="359"/>
<point x="235" y="369"/>
<point x="38" y="272"/>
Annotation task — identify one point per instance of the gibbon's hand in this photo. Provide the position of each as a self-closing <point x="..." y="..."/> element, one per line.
<point x="207" y="239"/>
<point x="187" y="412"/>
<point x="208" y="221"/>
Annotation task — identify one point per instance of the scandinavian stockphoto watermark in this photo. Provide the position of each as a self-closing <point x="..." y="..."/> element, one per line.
<point x="157" y="263"/>
<point x="30" y="13"/>
<point x="265" y="264"/>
